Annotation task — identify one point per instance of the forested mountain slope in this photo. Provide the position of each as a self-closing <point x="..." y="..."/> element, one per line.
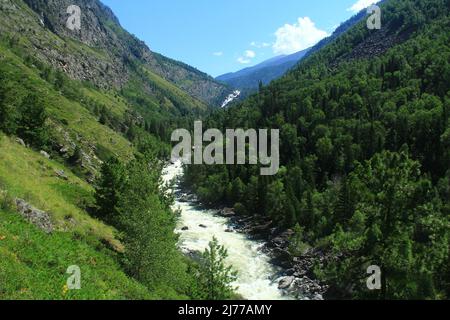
<point x="365" y="152"/>
<point x="247" y="80"/>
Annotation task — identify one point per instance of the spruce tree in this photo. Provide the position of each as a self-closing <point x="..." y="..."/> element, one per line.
<point x="109" y="188"/>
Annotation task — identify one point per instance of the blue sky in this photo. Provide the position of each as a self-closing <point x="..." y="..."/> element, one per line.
<point x="220" y="36"/>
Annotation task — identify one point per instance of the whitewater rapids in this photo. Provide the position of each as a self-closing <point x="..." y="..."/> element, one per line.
<point x="257" y="278"/>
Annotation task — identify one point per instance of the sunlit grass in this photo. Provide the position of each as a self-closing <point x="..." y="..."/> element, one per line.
<point x="26" y="174"/>
<point x="33" y="265"/>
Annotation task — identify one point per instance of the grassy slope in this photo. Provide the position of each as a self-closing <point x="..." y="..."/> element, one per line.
<point x="35" y="39"/>
<point x="27" y="174"/>
<point x="80" y="120"/>
<point x="33" y="264"/>
<point x="28" y="257"/>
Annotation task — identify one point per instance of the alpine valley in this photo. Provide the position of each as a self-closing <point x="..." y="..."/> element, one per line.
<point x="92" y="207"/>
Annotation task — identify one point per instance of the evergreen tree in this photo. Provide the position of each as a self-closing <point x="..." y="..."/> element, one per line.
<point x="7" y="124"/>
<point x="237" y="190"/>
<point x="8" y="112"/>
<point x="276" y="198"/>
<point x="396" y="218"/>
<point x="147" y="225"/>
<point x="345" y="206"/>
<point x="215" y="276"/>
<point x="32" y="125"/>
<point x="297" y="247"/>
<point x="109" y="189"/>
<point x="59" y="80"/>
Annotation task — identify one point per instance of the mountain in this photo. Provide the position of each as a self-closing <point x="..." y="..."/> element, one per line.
<point x="114" y="80"/>
<point x="364" y="172"/>
<point x="343" y="28"/>
<point x="248" y="79"/>
<point x="85" y="123"/>
<point x="103" y="52"/>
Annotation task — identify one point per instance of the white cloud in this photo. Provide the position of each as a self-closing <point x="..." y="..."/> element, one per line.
<point x="295" y="37"/>
<point x="362" y="4"/>
<point x="250" y="54"/>
<point x="243" y="60"/>
<point x="247" y="57"/>
<point x="218" y="53"/>
<point x="260" y="45"/>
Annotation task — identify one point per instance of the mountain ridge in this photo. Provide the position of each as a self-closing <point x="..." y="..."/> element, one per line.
<point x="247" y="80"/>
<point x="108" y="54"/>
<point x="79" y="110"/>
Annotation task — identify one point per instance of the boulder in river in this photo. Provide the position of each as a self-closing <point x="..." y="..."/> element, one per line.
<point x="202" y="226"/>
<point x="185" y="229"/>
<point x="227" y="212"/>
<point x="285" y="283"/>
<point x="308" y="288"/>
<point x="283" y="257"/>
<point x="290" y="272"/>
<point x="261" y="229"/>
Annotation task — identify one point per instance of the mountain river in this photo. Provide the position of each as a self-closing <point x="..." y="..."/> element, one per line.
<point x="257" y="278"/>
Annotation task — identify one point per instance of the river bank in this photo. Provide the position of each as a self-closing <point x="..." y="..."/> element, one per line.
<point x="297" y="276"/>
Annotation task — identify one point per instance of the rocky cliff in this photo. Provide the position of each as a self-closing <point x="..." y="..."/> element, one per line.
<point x="101" y="51"/>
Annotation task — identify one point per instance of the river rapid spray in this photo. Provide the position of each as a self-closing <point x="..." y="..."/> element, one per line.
<point x="257" y="277"/>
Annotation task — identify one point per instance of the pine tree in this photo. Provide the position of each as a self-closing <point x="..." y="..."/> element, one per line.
<point x="59" y="80"/>
<point x="8" y="114"/>
<point x="147" y="225"/>
<point x="237" y="190"/>
<point x="215" y="276"/>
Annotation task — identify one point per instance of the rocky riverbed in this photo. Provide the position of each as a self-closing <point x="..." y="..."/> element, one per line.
<point x="296" y="277"/>
<point x="297" y="272"/>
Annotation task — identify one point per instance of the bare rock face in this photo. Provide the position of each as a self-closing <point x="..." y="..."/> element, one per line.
<point x="37" y="217"/>
<point x="106" y="52"/>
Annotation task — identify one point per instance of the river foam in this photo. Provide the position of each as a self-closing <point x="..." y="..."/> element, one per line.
<point x="256" y="275"/>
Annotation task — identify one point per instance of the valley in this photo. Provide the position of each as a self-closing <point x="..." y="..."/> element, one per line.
<point x="356" y="178"/>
